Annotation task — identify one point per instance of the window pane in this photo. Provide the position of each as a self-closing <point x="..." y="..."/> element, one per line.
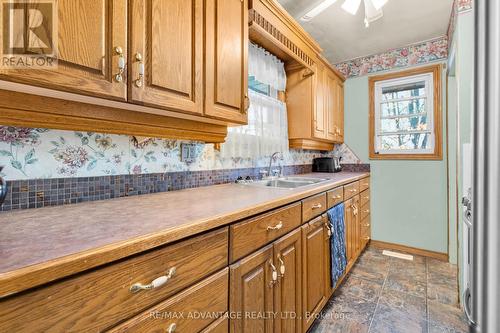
<point x="404" y="124"/>
<point x="405" y="142"/>
<point x="404" y="107"/>
<point x="258" y="86"/>
<point x="416" y="89"/>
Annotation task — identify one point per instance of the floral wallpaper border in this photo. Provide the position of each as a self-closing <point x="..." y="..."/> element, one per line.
<point x="416" y="54"/>
<point x="36" y="153"/>
<point x="464" y="5"/>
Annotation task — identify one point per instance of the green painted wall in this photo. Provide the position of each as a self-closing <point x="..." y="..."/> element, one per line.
<point x="409" y="198"/>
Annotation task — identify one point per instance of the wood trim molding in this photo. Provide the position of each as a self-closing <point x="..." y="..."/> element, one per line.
<point x="20" y="109"/>
<point x="436" y="70"/>
<point x="408" y="249"/>
<point x="310" y="144"/>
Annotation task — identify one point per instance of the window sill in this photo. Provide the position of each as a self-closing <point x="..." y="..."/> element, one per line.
<point x="425" y="157"/>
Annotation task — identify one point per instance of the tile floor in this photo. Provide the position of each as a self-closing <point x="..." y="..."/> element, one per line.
<point x="389" y="295"/>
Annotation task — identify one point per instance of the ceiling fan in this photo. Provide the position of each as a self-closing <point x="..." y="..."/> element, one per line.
<point x="373" y="9"/>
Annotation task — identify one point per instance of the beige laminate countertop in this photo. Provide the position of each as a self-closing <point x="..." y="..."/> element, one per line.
<point x="42" y="245"/>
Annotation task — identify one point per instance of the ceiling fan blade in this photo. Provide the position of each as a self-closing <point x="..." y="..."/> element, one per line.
<point x="351" y="6"/>
<point x="378" y="4"/>
<point x="371" y="13"/>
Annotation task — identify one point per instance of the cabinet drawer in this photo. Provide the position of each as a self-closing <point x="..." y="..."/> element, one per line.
<point x="365" y="197"/>
<point x="365" y="210"/>
<point x="248" y="236"/>
<point x="221" y="325"/>
<point x="99" y="299"/>
<point x="335" y="196"/>
<point x="313" y="206"/>
<point x="351" y="190"/>
<point x="192" y="310"/>
<point x="364" y="184"/>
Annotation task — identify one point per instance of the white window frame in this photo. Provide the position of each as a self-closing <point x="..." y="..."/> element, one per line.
<point x="428" y="78"/>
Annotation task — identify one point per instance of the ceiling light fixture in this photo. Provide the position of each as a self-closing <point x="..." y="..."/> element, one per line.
<point x="373" y="9"/>
<point x="318" y="9"/>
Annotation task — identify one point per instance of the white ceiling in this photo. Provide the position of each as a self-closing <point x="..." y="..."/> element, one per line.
<point x="344" y="36"/>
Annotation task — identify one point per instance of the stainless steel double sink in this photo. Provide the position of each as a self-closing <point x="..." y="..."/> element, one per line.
<point x="287" y="182"/>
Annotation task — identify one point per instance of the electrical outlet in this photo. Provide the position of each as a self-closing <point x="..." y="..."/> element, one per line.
<point x="188" y="152"/>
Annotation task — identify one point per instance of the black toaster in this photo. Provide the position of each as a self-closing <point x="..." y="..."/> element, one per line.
<point x="327" y="164"/>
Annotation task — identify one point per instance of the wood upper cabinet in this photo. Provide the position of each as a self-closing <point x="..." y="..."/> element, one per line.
<point x="287" y="292"/>
<point x="166" y="54"/>
<point x="90" y="34"/>
<point x="252" y="290"/>
<point x="338" y="110"/>
<point x="226" y="52"/>
<point x="321" y="103"/>
<point x="314" y="270"/>
<point x="334" y="110"/>
<point x="315" y="107"/>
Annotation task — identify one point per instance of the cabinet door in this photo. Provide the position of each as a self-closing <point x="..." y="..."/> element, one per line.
<point x="319" y="121"/>
<point x="226" y="52"/>
<point x="348" y="214"/>
<point x="89" y="35"/>
<point x="251" y="291"/>
<point x="314" y="293"/>
<point x="356" y="222"/>
<point x="331" y="109"/>
<point x="339" y="110"/>
<point x="166" y="54"/>
<point x="287" y="293"/>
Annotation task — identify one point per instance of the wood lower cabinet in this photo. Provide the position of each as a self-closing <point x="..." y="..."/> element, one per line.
<point x="192" y="310"/>
<point x="191" y="286"/>
<point x="288" y="290"/>
<point x="226" y="52"/>
<point x="252" y="292"/>
<point x="314" y="269"/>
<point x="92" y="36"/>
<point x="166" y="54"/>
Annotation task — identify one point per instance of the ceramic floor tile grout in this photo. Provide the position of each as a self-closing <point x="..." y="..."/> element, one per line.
<point x="380" y="294"/>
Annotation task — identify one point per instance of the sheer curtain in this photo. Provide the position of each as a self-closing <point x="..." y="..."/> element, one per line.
<point x="267" y="129"/>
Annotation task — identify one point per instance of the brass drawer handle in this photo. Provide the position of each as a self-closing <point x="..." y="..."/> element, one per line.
<point x="367" y="238"/>
<point x="317" y="206"/>
<point x="276" y="227"/>
<point x="367" y="198"/>
<point x="367" y="225"/>
<point x="274" y="274"/>
<point x="367" y="211"/>
<point x="171" y="328"/>
<point x="354" y="209"/>
<point x="282" y="266"/>
<point x="139" y="81"/>
<point x="156" y="283"/>
<point x="121" y="64"/>
<point x="353" y="190"/>
<point x="328" y="230"/>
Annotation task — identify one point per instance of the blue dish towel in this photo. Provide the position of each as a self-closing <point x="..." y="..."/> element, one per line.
<point x="337" y="243"/>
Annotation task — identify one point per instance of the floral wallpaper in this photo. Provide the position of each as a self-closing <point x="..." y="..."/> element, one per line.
<point x="416" y="54"/>
<point x="29" y="153"/>
<point x="464" y="5"/>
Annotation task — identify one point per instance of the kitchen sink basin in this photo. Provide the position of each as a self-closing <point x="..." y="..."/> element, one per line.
<point x="287" y="182"/>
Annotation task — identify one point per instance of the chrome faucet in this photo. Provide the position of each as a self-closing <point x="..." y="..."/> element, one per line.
<point x="279" y="172"/>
